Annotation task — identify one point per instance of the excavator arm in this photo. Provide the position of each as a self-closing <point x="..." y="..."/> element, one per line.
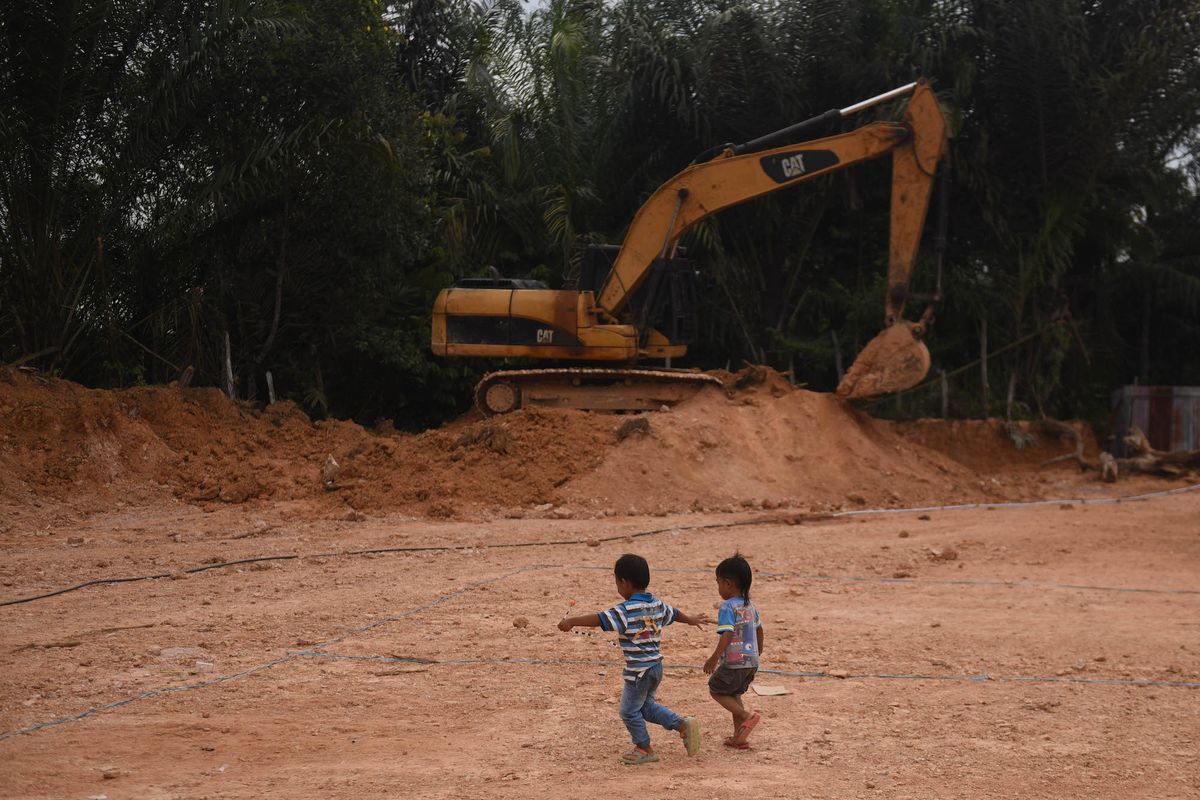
<point x="916" y="144"/>
<point x="701" y="190"/>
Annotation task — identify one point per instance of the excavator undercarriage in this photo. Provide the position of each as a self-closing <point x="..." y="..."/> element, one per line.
<point x="589" y="388"/>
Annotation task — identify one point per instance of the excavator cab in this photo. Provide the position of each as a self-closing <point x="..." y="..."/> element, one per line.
<point x="666" y="300"/>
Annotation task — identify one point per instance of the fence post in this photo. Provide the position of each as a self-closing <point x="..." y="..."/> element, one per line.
<point x="983" y="358"/>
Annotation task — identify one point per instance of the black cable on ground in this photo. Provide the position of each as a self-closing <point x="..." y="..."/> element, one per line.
<point x="783" y="673"/>
<point x="402" y="549"/>
<point x="772" y="519"/>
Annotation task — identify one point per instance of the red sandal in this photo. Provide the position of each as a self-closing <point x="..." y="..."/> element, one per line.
<point x="746" y="727"/>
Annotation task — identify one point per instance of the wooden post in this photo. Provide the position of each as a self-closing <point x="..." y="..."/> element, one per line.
<point x="945" y="395"/>
<point x="983" y="358"/>
<point x="837" y="355"/>
<point x="1012" y="386"/>
<point x="228" y="368"/>
<point x="270" y="388"/>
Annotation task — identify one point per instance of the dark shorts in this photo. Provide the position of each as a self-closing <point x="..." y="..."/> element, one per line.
<point x="731" y="681"/>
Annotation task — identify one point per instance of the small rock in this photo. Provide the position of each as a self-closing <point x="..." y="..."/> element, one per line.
<point x="329" y="472"/>
<point x="238" y="492"/>
<point x="901" y="573"/>
<point x="903" y="534"/>
<point x="593" y="542"/>
<point x="838" y="673"/>
<point x="942" y="553"/>
<point x="520" y="622"/>
<point x="925" y="517"/>
<point x="441" y="510"/>
<point x="638" y="425"/>
<point x="204" y="667"/>
<point x="544" y="507"/>
<point x="108" y="773"/>
<point x="75" y="541"/>
<point x="1108" y="468"/>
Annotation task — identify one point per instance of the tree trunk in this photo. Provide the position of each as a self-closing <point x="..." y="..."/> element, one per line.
<point x="983" y="365"/>
<point x="945" y="395"/>
<point x="229" y="389"/>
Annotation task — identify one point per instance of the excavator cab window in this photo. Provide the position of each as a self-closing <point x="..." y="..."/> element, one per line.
<point x="597" y="263"/>
<point x="666" y="301"/>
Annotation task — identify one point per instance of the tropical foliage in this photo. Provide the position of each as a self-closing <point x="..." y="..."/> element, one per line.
<point x="283" y="186"/>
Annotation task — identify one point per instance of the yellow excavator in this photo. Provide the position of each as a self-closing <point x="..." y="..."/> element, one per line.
<point x="636" y="301"/>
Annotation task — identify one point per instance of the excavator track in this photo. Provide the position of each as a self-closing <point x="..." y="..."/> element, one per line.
<point x="588" y="388"/>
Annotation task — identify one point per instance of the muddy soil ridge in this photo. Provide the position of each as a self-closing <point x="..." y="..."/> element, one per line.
<point x="761" y="443"/>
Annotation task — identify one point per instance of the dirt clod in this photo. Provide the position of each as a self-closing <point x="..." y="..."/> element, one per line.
<point x="640" y="425"/>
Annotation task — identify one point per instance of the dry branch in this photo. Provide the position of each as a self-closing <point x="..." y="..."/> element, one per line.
<point x="1147" y="460"/>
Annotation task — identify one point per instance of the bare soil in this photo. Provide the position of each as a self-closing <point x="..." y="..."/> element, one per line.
<point x="1049" y="650"/>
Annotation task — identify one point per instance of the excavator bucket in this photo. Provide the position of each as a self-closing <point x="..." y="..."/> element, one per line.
<point x="894" y="360"/>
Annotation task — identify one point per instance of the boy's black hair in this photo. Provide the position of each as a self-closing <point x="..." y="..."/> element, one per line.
<point x="633" y="569"/>
<point x="737" y="569"/>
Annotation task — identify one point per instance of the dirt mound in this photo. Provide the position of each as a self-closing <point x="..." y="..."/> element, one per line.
<point x="760" y="443"/>
<point x="774" y="448"/>
<point x="92" y="448"/>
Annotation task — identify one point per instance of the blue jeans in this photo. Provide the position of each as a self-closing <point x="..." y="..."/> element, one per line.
<point x="639" y="707"/>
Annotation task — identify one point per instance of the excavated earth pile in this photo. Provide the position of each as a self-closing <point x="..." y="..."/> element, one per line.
<point x="765" y="445"/>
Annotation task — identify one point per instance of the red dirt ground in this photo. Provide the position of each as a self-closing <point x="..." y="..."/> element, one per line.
<point x="1011" y="652"/>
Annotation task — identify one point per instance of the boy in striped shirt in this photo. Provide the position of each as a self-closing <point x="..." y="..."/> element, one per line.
<point x="639" y="621"/>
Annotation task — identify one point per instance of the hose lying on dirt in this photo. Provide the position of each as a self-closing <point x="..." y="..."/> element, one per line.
<point x="764" y="519"/>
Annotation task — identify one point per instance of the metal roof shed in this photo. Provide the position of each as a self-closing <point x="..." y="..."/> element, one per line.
<point x="1168" y="415"/>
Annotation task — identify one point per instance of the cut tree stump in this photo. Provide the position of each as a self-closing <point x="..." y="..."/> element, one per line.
<point x="1146" y="460"/>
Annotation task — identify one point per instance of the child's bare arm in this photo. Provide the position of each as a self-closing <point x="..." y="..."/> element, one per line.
<point x="688" y="619"/>
<point x="581" y="621"/>
<point x="715" y="659"/>
<point x="760" y="639"/>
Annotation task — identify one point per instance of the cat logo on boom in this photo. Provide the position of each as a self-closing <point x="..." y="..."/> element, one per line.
<point x="793" y="165"/>
<point x="545" y="335"/>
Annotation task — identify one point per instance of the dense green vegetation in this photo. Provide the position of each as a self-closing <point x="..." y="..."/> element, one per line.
<point x="298" y="179"/>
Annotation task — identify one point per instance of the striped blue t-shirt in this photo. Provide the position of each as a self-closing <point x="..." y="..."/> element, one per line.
<point x="638" y="622"/>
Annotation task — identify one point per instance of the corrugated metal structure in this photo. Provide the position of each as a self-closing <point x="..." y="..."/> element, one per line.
<point x="1168" y="415"/>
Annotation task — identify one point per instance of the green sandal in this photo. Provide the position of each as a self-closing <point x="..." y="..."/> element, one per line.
<point x="638" y="756"/>
<point x="691" y="735"/>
